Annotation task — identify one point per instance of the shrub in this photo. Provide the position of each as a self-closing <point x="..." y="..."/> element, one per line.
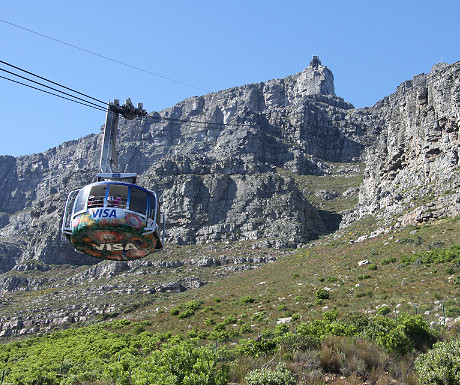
<point x="418" y="331"/>
<point x="386" y="261"/>
<point x="281" y="329"/>
<point x="364" y="276"/>
<point x="440" y="365"/>
<point x="245" y="328"/>
<point x="138" y="329"/>
<point x="257" y="347"/>
<point x="259" y="316"/>
<point x="209" y="321"/>
<point x="452" y="311"/>
<point x="194" y="304"/>
<point x="220" y="327"/>
<point x="231" y="319"/>
<point x="395" y="341"/>
<point x="291" y="342"/>
<point x="186" y="313"/>
<point x="34" y="376"/>
<point x="373" y="266"/>
<point x="389" y="335"/>
<point x="247" y="299"/>
<point x="281" y="376"/>
<point x="183" y="363"/>
<point x="384" y="310"/>
<point x="322" y="294"/>
<point x="174" y="311"/>
<point x="330" y="315"/>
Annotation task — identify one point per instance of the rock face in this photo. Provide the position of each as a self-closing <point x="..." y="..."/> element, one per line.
<point x="227" y="165"/>
<point x="213" y="159"/>
<point x="413" y="166"/>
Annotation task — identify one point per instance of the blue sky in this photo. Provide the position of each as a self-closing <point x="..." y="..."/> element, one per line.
<point x="205" y="46"/>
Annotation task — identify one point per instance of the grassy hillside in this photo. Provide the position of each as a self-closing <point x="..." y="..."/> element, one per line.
<point x="316" y="290"/>
<point x="288" y="285"/>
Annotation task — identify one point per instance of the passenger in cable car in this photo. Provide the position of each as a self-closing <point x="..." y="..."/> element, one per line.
<point x="113" y="201"/>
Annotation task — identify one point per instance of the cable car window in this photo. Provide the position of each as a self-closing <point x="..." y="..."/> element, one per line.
<point x="152" y="206"/>
<point x="138" y="201"/>
<point x="80" y="201"/>
<point x="118" y="196"/>
<point x="97" y="196"/>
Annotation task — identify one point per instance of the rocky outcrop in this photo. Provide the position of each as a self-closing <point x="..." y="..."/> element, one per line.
<point x="413" y="166"/>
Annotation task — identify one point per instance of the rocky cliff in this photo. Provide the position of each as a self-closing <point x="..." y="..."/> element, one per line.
<point x="213" y="159"/>
<point x="227" y="165"/>
<point x="412" y="170"/>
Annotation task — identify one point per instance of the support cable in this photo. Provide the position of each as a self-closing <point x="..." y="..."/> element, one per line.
<point x="51" y="88"/>
<point x="50" y="81"/>
<point x="52" y="93"/>
<point x="102" y="56"/>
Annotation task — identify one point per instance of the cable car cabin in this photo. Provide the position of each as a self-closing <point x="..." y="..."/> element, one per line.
<point x="113" y="220"/>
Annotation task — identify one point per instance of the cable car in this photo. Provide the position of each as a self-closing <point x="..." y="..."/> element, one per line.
<point x="114" y="218"/>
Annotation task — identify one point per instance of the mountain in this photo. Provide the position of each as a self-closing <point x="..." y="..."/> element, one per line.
<point x="276" y="164"/>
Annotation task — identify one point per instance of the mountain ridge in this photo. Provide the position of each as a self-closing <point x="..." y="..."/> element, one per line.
<point x="278" y="164"/>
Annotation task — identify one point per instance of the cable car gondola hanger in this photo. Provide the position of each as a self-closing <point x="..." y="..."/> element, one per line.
<point x="114" y="218"/>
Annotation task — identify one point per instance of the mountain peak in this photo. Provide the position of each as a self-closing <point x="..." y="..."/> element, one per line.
<point x="316" y="79"/>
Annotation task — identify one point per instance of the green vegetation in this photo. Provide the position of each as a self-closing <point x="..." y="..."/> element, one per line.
<point x="345" y="319"/>
<point x="123" y="353"/>
<point x="441" y="365"/>
<point x="280" y="376"/>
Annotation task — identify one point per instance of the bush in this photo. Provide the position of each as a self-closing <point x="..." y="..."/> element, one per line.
<point x="389" y="260"/>
<point x="194" y="304"/>
<point x="440" y="365"/>
<point x="186" y="313"/>
<point x="330" y="315"/>
<point x="257" y="347"/>
<point x="231" y="319"/>
<point x="322" y="294"/>
<point x="384" y="310"/>
<point x="281" y="329"/>
<point x="259" y="316"/>
<point x="174" y="311"/>
<point x="34" y="376"/>
<point x="180" y="364"/>
<point x="245" y="328"/>
<point x="281" y="376"/>
<point x="418" y="331"/>
<point x="291" y="342"/>
<point x="247" y="299"/>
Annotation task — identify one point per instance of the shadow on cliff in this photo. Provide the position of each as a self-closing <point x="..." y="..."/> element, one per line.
<point x="331" y="220"/>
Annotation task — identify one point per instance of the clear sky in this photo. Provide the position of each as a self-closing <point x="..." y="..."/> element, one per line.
<point x="205" y="46"/>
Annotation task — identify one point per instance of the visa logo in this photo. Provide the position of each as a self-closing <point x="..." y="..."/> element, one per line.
<point x="115" y="247"/>
<point x="104" y="213"/>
